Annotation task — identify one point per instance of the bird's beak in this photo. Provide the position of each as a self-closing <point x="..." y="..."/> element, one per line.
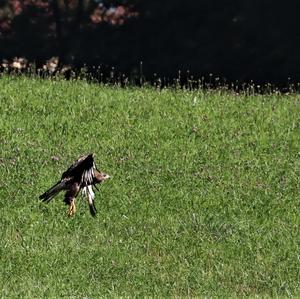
<point x="107" y="177"/>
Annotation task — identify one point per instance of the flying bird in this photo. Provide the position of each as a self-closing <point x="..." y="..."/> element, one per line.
<point x="82" y="176"/>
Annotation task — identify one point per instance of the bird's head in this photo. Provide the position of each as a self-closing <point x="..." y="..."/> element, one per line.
<point x="100" y="177"/>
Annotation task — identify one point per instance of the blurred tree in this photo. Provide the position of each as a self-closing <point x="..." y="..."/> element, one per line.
<point x="43" y="28"/>
<point x="238" y="40"/>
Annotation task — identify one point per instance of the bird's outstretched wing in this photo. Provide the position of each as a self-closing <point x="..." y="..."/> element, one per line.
<point x="82" y="170"/>
<point x="82" y="164"/>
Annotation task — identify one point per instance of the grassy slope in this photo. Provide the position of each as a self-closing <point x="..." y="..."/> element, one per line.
<point x="204" y="198"/>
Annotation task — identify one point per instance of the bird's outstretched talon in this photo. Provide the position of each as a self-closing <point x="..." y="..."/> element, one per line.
<point x="72" y="209"/>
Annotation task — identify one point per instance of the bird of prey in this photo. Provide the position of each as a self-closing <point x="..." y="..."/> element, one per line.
<point x="82" y="175"/>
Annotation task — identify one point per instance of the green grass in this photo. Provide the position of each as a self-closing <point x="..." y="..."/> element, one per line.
<point x="203" y="200"/>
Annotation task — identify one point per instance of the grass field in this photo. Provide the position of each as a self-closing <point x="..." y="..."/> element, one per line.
<point x="203" y="200"/>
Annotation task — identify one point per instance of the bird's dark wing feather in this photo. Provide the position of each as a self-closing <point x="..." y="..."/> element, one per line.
<point x="93" y="210"/>
<point x="81" y="167"/>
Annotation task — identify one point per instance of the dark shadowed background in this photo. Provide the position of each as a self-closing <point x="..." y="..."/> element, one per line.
<point x="235" y="40"/>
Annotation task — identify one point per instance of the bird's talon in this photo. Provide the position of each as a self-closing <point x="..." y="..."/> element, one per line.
<point x="72" y="209"/>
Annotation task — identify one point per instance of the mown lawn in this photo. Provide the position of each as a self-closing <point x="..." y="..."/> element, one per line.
<point x="203" y="200"/>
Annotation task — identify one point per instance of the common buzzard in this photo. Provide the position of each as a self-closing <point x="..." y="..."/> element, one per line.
<point x="81" y="175"/>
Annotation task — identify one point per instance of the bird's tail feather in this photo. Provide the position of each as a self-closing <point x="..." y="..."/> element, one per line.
<point x="53" y="191"/>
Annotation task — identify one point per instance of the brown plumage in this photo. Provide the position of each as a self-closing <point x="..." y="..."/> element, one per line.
<point x="82" y="175"/>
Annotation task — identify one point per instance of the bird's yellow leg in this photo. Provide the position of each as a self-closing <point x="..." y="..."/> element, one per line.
<point x="72" y="208"/>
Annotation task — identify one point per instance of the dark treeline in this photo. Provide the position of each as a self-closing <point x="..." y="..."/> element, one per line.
<point x="235" y="40"/>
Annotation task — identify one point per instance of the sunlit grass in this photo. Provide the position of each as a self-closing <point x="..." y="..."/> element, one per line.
<point x="203" y="200"/>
